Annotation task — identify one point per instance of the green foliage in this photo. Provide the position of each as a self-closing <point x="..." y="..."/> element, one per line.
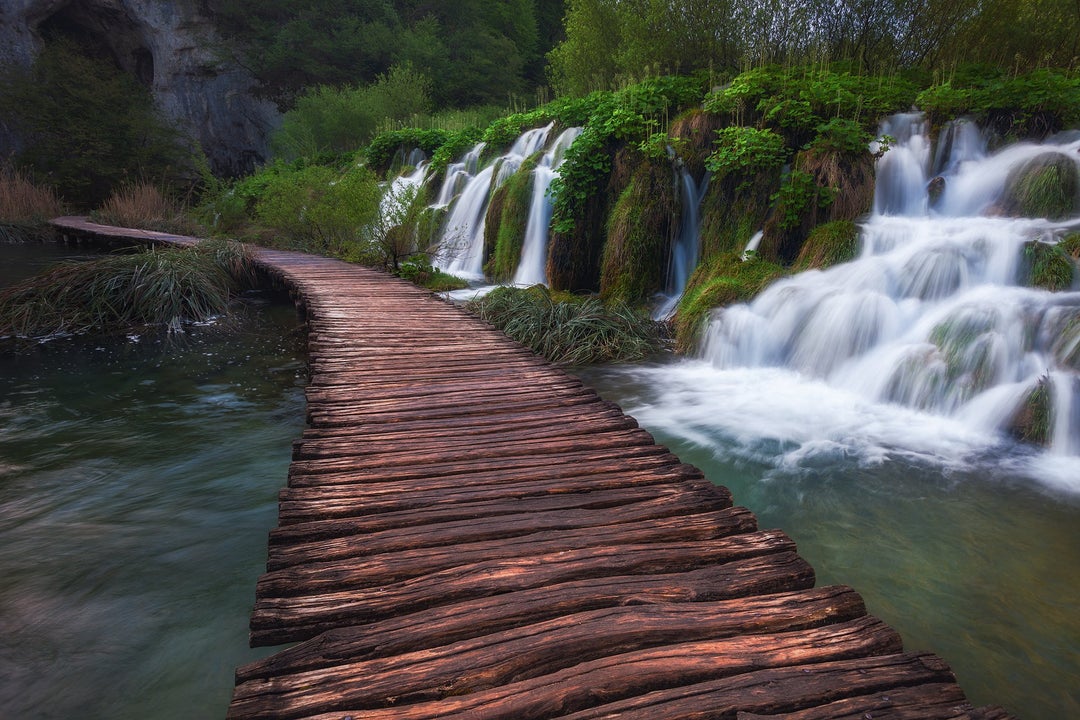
<point x="745" y="151"/>
<point x="331" y="120"/>
<point x="569" y="332"/>
<point x="1048" y="266"/>
<point x="479" y="51"/>
<point x="86" y="125"/>
<point x="119" y="292"/>
<point x="799" y="193"/>
<point x="418" y="269"/>
<point x="723" y="279"/>
<point x="827" y="245"/>
<point x="1014" y="105"/>
<point x="382" y="149"/>
<point x="634" y="113"/>
<point x="318" y="209"/>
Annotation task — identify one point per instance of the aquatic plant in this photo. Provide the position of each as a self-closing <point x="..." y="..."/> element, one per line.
<point x="115" y="293"/>
<point x="1048" y="266"/>
<point x="569" y="330"/>
<point x="828" y="245"/>
<point x="1046" y="186"/>
<point x="1033" y="421"/>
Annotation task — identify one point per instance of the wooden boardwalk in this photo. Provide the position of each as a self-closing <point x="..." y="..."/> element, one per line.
<point x="470" y="532"/>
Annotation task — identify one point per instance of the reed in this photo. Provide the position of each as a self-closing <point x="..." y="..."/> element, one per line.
<point x="25" y="207"/>
<point x="116" y="293"/>
<point x="146" y="206"/>
<point x="568" y="330"/>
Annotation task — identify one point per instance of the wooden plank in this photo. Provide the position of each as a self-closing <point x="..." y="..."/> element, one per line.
<point x="479" y="687"/>
<point x="613" y="505"/>
<point x="277" y="620"/>
<point x="399" y="554"/>
<point x="445" y="624"/>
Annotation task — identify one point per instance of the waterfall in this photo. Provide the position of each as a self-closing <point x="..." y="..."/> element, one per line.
<point x="390" y="206"/>
<point x="687" y="245"/>
<point x="932" y="316"/>
<point x="531" y="269"/>
<point x="461" y="251"/>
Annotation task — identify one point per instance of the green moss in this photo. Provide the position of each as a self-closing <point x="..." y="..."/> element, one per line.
<point x="1048" y="266"/>
<point x="639" y="236"/>
<point x="722" y="280"/>
<point x="1066" y="345"/>
<point x="731" y="215"/>
<point x="1046" y="187"/>
<point x="1070" y="245"/>
<point x="827" y="245"/>
<point x="1033" y="421"/>
<point x="506" y="223"/>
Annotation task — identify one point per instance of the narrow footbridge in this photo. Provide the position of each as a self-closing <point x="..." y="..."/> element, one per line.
<point x="469" y="532"/>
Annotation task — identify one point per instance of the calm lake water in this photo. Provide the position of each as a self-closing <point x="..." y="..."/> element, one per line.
<point x="138" y="482"/>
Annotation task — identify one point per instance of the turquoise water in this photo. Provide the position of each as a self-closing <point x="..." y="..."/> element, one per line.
<point x="138" y="481"/>
<point x="972" y="559"/>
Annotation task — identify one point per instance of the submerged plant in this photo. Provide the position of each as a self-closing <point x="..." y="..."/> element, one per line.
<point x="116" y="293"/>
<point x="569" y="330"/>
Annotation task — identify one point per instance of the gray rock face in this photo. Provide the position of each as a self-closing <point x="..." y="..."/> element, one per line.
<point x="172" y="47"/>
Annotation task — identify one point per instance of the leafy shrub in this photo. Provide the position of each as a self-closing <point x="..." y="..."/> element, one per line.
<point x="319" y="209"/>
<point x="745" y="151"/>
<point x="569" y="332"/>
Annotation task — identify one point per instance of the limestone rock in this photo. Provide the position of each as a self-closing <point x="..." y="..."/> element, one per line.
<point x="172" y="47"/>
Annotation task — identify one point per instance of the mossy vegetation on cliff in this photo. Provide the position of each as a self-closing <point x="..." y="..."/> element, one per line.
<point x="507" y="221"/>
<point x="639" y="235"/>
<point x="722" y="280"/>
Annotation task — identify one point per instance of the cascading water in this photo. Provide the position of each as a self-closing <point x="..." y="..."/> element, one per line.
<point x="462" y="247"/>
<point x="687" y="245"/>
<point x="928" y="344"/>
<point x="532" y="268"/>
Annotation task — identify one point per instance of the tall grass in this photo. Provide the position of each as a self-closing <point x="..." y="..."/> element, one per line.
<point x="25" y="207"/>
<point x="570" y="331"/>
<point x="145" y="206"/>
<point x="120" y="292"/>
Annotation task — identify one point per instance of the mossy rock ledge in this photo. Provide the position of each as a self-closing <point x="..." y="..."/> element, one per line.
<point x="1047" y="186"/>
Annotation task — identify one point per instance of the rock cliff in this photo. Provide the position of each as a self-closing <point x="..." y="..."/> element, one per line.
<point x="171" y="46"/>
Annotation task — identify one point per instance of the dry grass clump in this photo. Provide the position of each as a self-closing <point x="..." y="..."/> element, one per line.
<point x="25" y="207"/>
<point x="145" y="206"/>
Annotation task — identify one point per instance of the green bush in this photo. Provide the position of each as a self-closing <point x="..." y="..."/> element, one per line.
<point x="331" y="120"/>
<point x="320" y="210"/>
<point x="745" y="151"/>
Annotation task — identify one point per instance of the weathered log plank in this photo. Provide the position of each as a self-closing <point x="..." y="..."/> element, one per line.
<point x="514" y="692"/>
<point x="277" y="620"/>
<point x="599" y="506"/>
<point x="537" y="466"/>
<point x="331" y="503"/>
<point x="445" y="624"/>
<point x="398" y="554"/>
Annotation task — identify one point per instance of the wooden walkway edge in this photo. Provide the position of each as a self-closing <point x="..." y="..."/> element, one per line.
<point x="469" y="532"/>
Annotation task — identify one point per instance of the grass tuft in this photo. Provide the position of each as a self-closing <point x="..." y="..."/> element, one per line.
<point x="25" y="207"/>
<point x="568" y="330"/>
<point x="147" y="207"/>
<point x="118" y="293"/>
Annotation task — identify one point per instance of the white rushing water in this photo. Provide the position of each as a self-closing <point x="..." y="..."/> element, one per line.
<point x="926" y="346"/>
<point x="687" y="246"/>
